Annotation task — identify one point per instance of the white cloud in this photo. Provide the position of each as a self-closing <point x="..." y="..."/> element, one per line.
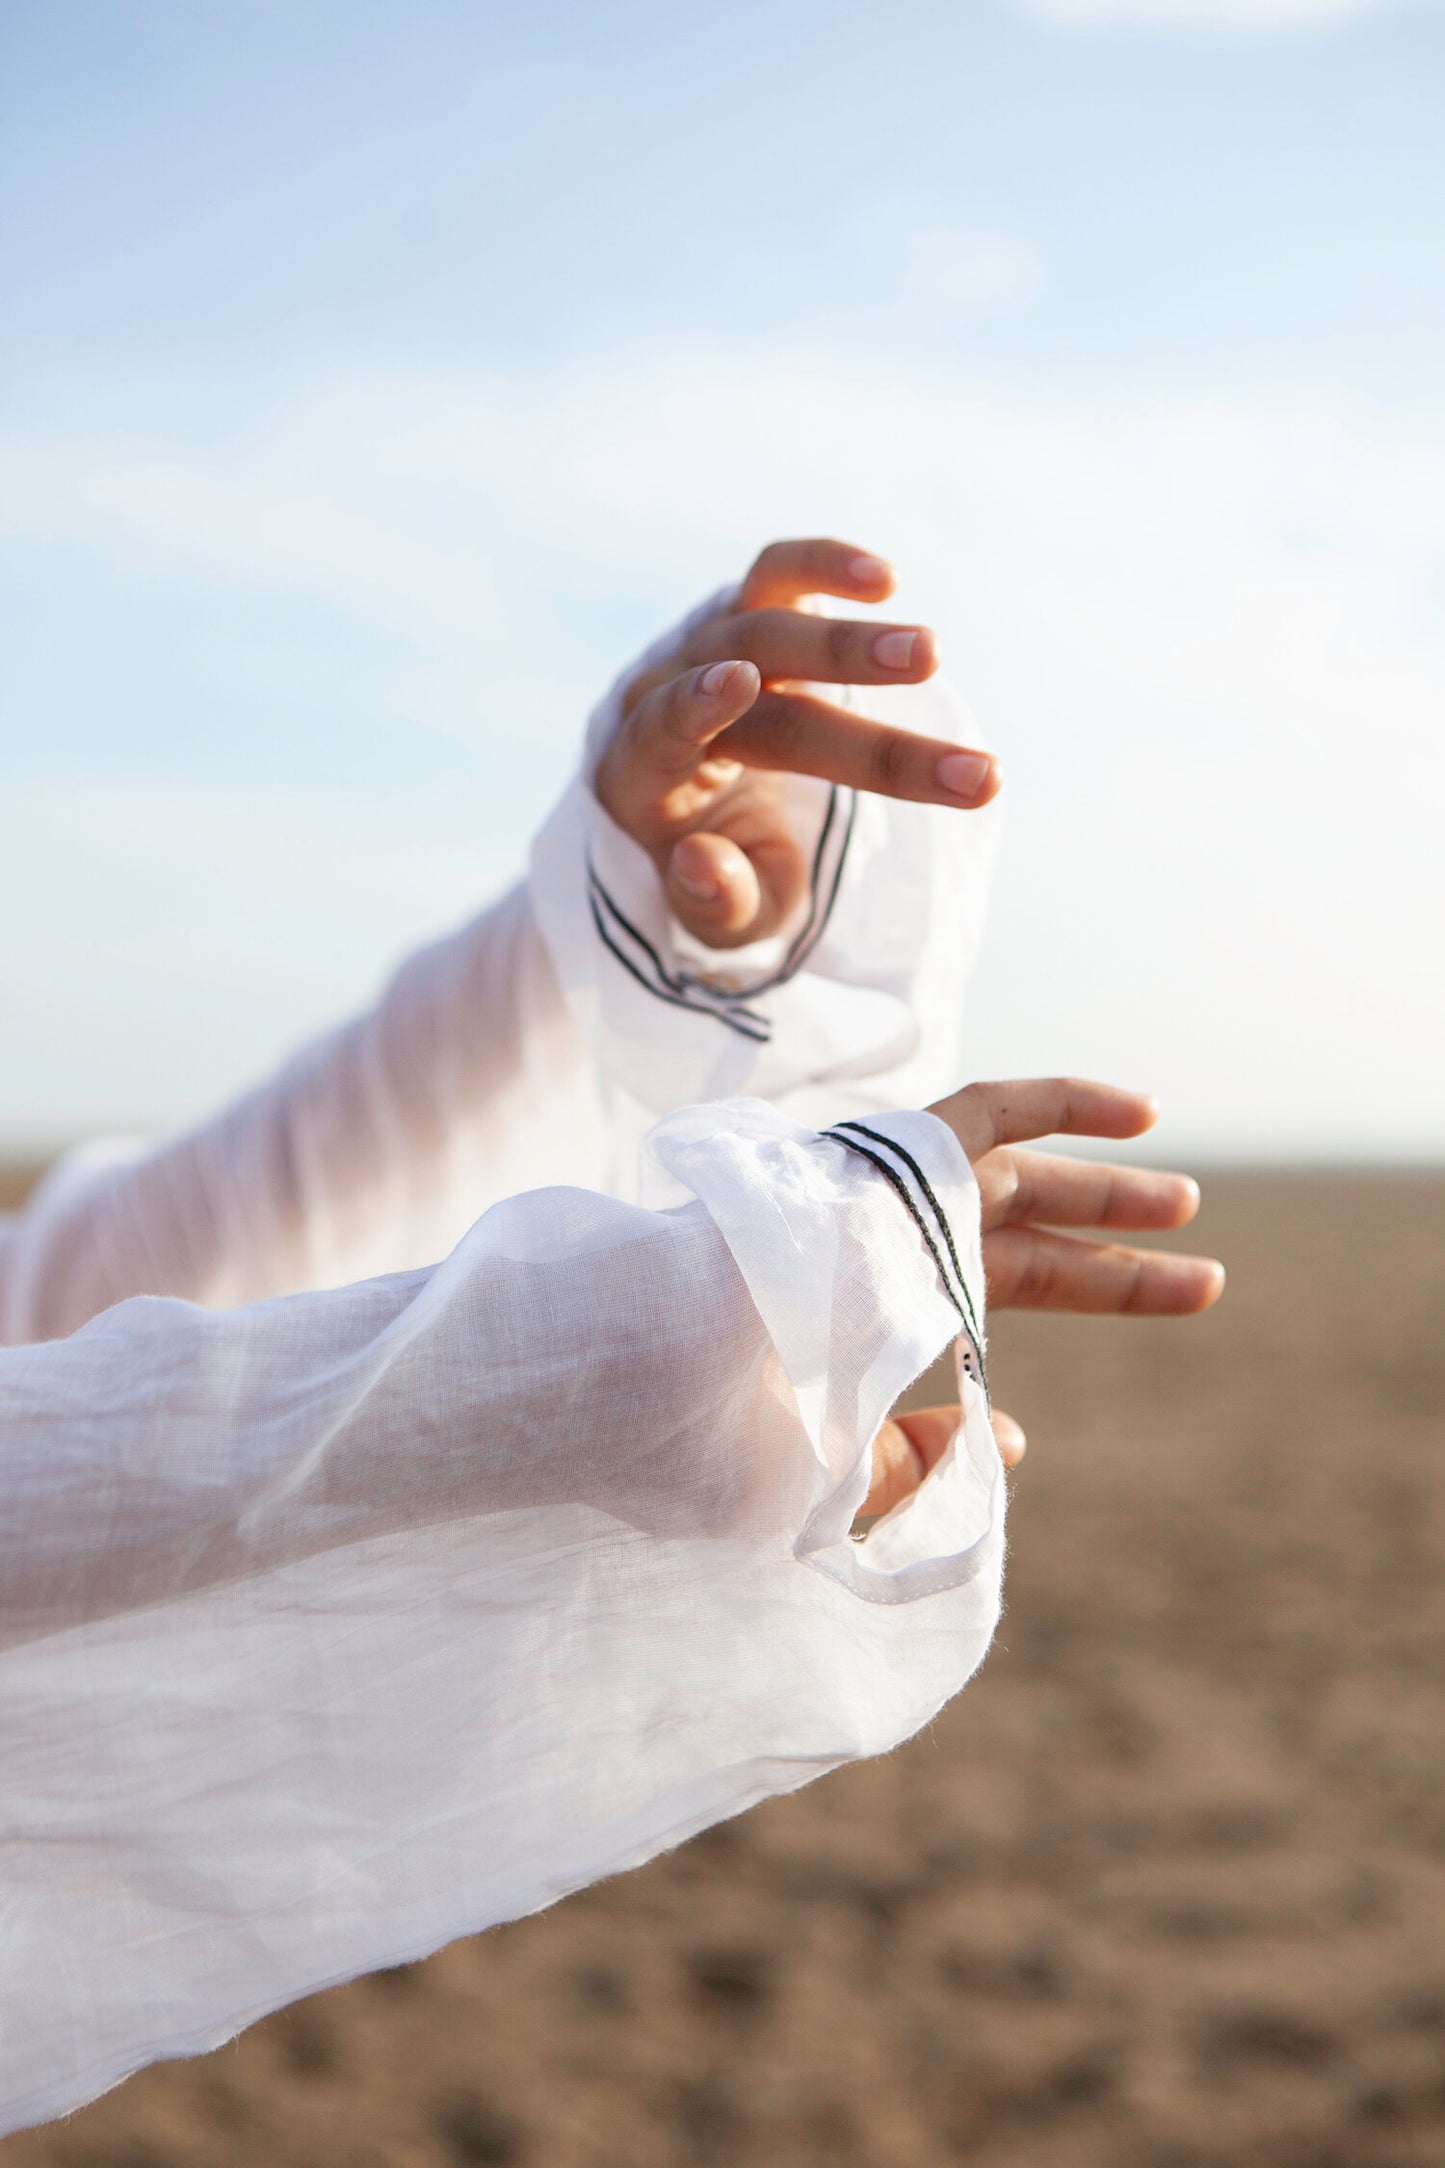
<point x="1207" y="636"/>
<point x="1228" y="17"/>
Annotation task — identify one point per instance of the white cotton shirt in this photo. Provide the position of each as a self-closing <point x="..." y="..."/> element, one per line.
<point x="337" y="1620"/>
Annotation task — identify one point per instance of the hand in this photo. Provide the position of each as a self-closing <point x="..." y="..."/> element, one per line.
<point x="695" y="773"/>
<point x="1025" y="1198"/>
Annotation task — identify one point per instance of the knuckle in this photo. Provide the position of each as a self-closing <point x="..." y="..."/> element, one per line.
<point x="675" y="705"/>
<point x="888" y="763"/>
<point x="731" y="638"/>
<point x="975" y="1095"/>
<point x="1036" y="1278"/>
<point x="838" y="642"/>
<point x="779" y="720"/>
<point x="772" y="563"/>
<point x="655" y="724"/>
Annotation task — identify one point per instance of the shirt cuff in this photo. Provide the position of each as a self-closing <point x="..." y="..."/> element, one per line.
<point x="861" y="1249"/>
<point x="864" y="982"/>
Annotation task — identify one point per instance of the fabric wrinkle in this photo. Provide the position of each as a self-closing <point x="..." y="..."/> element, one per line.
<point x="417" y="1499"/>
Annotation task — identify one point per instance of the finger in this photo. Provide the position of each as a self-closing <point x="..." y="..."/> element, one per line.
<point x="904" y="1451"/>
<point x="666" y="737"/>
<point x="714" y="889"/>
<point x="1031" y="1268"/>
<point x="1041" y="1187"/>
<point x="897" y="1470"/>
<point x="931" y="1431"/>
<point x="1008" y="1437"/>
<point x="803" y="736"/>
<point x="829" y="650"/>
<point x="672" y="725"/>
<point x="787" y="571"/>
<point x="984" y="1115"/>
<point x="729" y="891"/>
<point x="909" y="1447"/>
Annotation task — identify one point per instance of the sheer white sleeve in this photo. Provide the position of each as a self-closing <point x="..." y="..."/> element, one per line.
<point x="373" y="1150"/>
<point x="340" y="1625"/>
<point x="538" y="1044"/>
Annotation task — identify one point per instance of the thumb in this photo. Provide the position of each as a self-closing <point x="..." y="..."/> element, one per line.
<point x="909" y="1446"/>
<point x="713" y="889"/>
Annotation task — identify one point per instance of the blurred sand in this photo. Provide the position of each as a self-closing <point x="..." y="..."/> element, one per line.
<point x="15" y="1182"/>
<point x="1164" y="1889"/>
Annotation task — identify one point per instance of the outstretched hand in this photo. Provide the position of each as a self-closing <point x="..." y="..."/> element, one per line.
<point x="695" y="773"/>
<point x="1026" y="1198"/>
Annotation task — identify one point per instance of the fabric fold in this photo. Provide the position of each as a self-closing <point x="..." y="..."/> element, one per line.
<point x="342" y="1625"/>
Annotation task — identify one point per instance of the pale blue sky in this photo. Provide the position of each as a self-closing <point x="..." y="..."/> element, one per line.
<point x="374" y="379"/>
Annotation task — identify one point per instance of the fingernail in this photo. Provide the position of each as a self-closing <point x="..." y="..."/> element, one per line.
<point x="716" y="679"/>
<point x="963" y="775"/>
<point x="894" y="650"/>
<point x="870" y="571"/>
<point x="704" y="891"/>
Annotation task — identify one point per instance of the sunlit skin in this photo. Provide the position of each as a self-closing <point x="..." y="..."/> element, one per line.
<point x="696" y="772"/>
<point x="1028" y="1199"/>
<point x="695" y="775"/>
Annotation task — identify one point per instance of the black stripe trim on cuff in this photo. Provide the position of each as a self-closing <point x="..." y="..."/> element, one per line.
<point x="679" y="990"/>
<point x="973" y="1358"/>
<point x="684" y="990"/>
<point x="815" y="925"/>
<point x="734" y="1022"/>
<point x="677" y="982"/>
<point x="901" y="1152"/>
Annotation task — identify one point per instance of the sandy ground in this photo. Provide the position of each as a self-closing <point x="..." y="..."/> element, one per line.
<point x="1164" y="1889"/>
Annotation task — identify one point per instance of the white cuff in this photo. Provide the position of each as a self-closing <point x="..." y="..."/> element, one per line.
<point x="861" y="985"/>
<point x="777" y="1194"/>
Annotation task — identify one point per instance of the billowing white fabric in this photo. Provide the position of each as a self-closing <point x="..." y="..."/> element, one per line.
<point x="336" y="1621"/>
